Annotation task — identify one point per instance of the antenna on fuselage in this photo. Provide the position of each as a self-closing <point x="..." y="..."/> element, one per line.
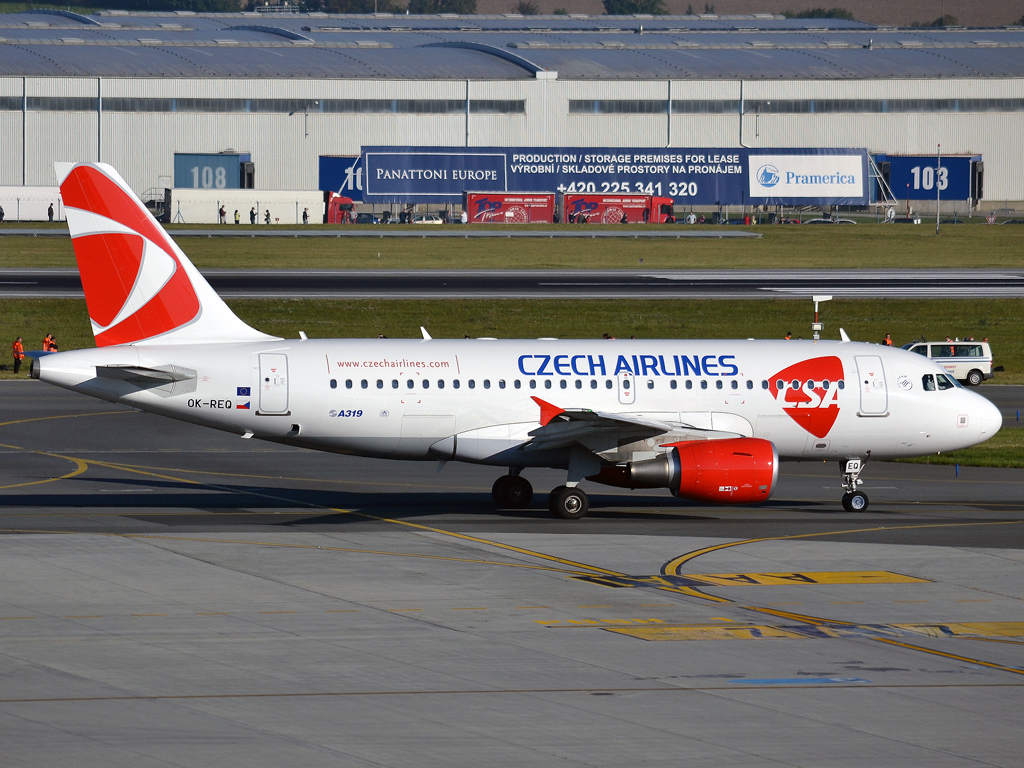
<point x="426" y="336"/>
<point x="843" y="336"/>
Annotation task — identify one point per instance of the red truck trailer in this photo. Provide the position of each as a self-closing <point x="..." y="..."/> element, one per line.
<point x="340" y="210"/>
<point x="509" y="208"/>
<point x="610" y="209"/>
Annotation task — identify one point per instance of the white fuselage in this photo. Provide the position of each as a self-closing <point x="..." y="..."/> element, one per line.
<point x="471" y="400"/>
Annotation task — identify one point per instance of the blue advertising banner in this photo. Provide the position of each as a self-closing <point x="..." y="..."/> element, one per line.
<point x="921" y="177"/>
<point x="342" y="174"/>
<point x="689" y="176"/>
<point x="208" y="171"/>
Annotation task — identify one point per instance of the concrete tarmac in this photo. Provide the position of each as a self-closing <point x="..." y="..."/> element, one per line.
<point x="564" y="284"/>
<point x="177" y="596"/>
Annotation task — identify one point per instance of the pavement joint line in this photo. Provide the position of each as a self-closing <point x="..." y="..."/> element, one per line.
<point x="512" y="691"/>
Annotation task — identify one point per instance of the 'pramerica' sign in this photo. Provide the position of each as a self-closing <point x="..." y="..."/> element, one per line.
<point x="700" y="176"/>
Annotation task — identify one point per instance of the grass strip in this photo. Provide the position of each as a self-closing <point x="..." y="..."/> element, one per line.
<point x="876" y="246"/>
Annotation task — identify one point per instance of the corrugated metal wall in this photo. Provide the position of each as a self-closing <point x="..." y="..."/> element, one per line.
<point x="142" y="145"/>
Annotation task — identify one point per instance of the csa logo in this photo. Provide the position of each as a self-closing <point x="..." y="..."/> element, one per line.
<point x="768" y="176"/>
<point x="809" y="404"/>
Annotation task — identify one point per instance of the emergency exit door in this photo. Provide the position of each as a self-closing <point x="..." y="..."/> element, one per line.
<point x="874" y="397"/>
<point x="627" y="388"/>
<point x="273" y="383"/>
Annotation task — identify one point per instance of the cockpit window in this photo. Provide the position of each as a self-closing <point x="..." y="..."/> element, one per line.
<point x="943" y="381"/>
<point x="928" y="382"/>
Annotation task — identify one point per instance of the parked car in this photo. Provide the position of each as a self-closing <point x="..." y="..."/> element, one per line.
<point x="967" y="361"/>
<point x="427" y="218"/>
<point x="830" y="221"/>
<point x="366" y="218"/>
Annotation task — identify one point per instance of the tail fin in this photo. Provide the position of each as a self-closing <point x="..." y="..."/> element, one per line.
<point x="139" y="286"/>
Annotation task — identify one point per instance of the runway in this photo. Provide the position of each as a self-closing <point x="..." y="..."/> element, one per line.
<point x="175" y="595"/>
<point x="579" y="284"/>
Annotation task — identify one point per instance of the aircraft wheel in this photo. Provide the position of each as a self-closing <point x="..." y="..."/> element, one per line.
<point x="518" y="493"/>
<point x="568" y="503"/>
<point x="855" y="502"/>
<point x="499" y="491"/>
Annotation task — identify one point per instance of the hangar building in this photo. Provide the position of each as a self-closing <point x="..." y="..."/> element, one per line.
<point x="133" y="89"/>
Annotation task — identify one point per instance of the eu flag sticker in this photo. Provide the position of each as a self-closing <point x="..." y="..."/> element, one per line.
<point x="242" y="392"/>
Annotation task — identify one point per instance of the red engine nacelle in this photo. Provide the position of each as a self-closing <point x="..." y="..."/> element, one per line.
<point x="739" y="470"/>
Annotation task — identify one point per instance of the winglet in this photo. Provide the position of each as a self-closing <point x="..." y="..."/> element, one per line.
<point x="843" y="336"/>
<point x="426" y="336"/>
<point x="547" y="411"/>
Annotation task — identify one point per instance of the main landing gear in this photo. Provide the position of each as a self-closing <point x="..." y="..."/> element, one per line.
<point x="853" y="500"/>
<point x="512" y="491"/>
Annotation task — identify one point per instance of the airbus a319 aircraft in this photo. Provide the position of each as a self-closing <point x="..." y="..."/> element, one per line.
<point x="708" y="420"/>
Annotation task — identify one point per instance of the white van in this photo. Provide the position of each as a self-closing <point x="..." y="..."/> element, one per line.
<point x="967" y="361"/>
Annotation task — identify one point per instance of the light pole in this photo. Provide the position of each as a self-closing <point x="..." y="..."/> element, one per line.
<point x="305" y="113"/>
<point x="938" y="175"/>
<point x="816" y="326"/>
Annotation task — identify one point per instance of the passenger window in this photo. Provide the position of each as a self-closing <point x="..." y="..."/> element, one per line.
<point x="928" y="382"/>
<point x="440" y="383"/>
<point x="943" y="381"/>
<point x="825" y="384"/>
<point x="364" y="383"/>
<point x="394" y="383"/>
<point x="764" y="384"/>
<point x="810" y="384"/>
<point x="794" y="384"/>
<point x="533" y="383"/>
<point x="674" y="384"/>
<point x="607" y="383"/>
<point x="779" y="384"/>
<point x="409" y="384"/>
<point x="472" y="383"/>
<point x="650" y="383"/>
<point x="380" y="384"/>
<point x="841" y="385"/>
<point x="501" y="383"/>
<point x="547" y="383"/>
<point x="625" y="383"/>
<point x="579" y="384"/>
<point x="718" y="384"/>
<point x="735" y="384"/>
<point x="455" y="384"/>
<point x="562" y="383"/>
<point x="426" y="383"/>
<point x="750" y="383"/>
<point x="334" y="383"/>
<point x="593" y="383"/>
<point x="518" y="384"/>
<point x="348" y="383"/>
<point x="487" y="383"/>
<point x="703" y="384"/>
<point x="689" y="384"/>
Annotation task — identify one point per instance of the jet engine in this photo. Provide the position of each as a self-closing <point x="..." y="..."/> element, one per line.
<point x="741" y="470"/>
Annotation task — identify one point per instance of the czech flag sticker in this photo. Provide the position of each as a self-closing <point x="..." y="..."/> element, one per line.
<point x="242" y="407"/>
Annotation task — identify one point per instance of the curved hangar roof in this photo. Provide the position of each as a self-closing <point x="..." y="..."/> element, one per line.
<point x="121" y="44"/>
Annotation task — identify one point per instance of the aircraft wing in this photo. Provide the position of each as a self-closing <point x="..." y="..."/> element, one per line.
<point x="598" y="431"/>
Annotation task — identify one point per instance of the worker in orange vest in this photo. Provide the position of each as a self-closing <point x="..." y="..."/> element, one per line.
<point x="888" y="340"/>
<point x="19" y="354"/>
<point x="49" y="343"/>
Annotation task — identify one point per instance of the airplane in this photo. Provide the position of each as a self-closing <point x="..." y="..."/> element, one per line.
<point x="709" y="420"/>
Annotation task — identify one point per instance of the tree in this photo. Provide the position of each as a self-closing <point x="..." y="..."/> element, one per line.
<point x="949" y="20"/>
<point x="560" y="12"/>
<point x="631" y="7"/>
<point x="820" y="13"/>
<point x="526" y="8"/>
<point x="463" y="7"/>
<point x="356" y="6"/>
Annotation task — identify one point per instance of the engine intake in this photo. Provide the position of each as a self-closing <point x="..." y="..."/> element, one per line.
<point x="741" y="470"/>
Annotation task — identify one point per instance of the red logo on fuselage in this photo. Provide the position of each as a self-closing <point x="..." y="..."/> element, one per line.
<point x="809" y="393"/>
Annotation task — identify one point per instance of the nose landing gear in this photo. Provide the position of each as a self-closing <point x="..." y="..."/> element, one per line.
<point x="853" y="500"/>
<point x="512" y="491"/>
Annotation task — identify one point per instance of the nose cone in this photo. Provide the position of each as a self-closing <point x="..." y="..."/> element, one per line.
<point x="990" y="420"/>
